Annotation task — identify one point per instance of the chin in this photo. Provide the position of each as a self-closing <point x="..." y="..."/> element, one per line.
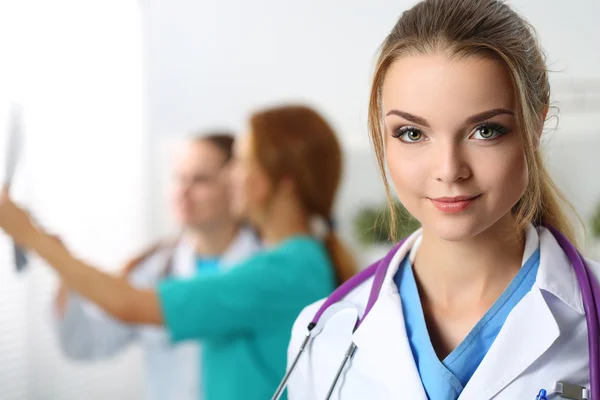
<point x="454" y="228"/>
<point x="193" y="224"/>
<point x="183" y="220"/>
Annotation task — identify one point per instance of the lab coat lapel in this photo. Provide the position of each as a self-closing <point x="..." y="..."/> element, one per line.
<point x="383" y="351"/>
<point x="531" y="327"/>
<point x="243" y="246"/>
<point x="527" y="334"/>
<point x="184" y="259"/>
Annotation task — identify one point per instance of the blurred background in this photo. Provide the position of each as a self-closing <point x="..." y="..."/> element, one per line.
<point x="107" y="87"/>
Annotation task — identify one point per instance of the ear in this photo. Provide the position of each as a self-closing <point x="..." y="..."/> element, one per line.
<point x="287" y="185"/>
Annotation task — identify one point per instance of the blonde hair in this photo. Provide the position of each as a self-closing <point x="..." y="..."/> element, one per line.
<point x="481" y="28"/>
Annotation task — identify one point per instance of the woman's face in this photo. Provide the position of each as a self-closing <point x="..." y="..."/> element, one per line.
<point x="453" y="145"/>
<point x="250" y="185"/>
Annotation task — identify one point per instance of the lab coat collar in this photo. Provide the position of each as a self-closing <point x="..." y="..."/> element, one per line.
<point x="556" y="274"/>
<point x="244" y="245"/>
<point x="182" y="260"/>
<point x="529" y="331"/>
<point x="531" y="328"/>
<point x="385" y="351"/>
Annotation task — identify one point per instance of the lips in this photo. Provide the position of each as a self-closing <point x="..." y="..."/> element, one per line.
<point x="453" y="205"/>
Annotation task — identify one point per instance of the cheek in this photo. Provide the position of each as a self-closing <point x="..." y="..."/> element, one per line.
<point x="506" y="174"/>
<point x="502" y="171"/>
<point x="175" y="194"/>
<point x="200" y="194"/>
<point x="177" y="190"/>
<point x="246" y="186"/>
<point x="257" y="189"/>
<point x="407" y="172"/>
<point x="237" y="178"/>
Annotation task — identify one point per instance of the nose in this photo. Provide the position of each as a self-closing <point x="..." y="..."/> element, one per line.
<point x="451" y="164"/>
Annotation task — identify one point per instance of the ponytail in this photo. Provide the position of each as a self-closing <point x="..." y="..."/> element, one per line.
<point x="343" y="262"/>
<point x="551" y="211"/>
<point x="543" y="202"/>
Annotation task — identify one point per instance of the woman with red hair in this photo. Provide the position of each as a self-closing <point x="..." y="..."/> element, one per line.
<point x="285" y="177"/>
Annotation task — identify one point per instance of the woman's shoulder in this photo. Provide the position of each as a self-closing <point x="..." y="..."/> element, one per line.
<point x="300" y="251"/>
<point x="594" y="267"/>
<point x="300" y="243"/>
<point x="296" y="258"/>
<point x="357" y="298"/>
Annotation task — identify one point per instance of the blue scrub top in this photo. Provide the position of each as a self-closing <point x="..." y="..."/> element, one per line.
<point x="207" y="265"/>
<point x="445" y="380"/>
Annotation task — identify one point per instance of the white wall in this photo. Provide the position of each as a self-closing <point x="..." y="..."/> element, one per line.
<point x="210" y="63"/>
<point x="75" y="67"/>
<point x="207" y="63"/>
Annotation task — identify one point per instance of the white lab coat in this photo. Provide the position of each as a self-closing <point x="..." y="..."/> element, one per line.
<point x="87" y="333"/>
<point x="543" y="340"/>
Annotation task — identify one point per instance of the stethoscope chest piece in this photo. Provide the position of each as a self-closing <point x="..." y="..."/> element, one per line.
<point x="343" y="316"/>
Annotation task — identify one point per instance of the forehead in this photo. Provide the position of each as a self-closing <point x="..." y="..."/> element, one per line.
<point x="438" y="87"/>
<point x="200" y="156"/>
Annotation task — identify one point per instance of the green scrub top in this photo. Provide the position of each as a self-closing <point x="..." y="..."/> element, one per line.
<point x="244" y="316"/>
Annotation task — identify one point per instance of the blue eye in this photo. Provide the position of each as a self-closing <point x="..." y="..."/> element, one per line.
<point x="408" y="134"/>
<point x="489" y="131"/>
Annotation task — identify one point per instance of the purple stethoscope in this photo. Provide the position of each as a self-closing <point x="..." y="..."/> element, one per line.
<point x="590" y="291"/>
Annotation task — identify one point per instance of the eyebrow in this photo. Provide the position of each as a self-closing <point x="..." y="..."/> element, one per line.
<point x="407" y="116"/>
<point x="471" y="120"/>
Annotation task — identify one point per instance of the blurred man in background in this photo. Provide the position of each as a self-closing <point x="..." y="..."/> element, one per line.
<point x="212" y="241"/>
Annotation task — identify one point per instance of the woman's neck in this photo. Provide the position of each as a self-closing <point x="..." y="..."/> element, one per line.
<point x="458" y="282"/>
<point x="458" y="273"/>
<point x="285" y="218"/>
<point x="280" y="230"/>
